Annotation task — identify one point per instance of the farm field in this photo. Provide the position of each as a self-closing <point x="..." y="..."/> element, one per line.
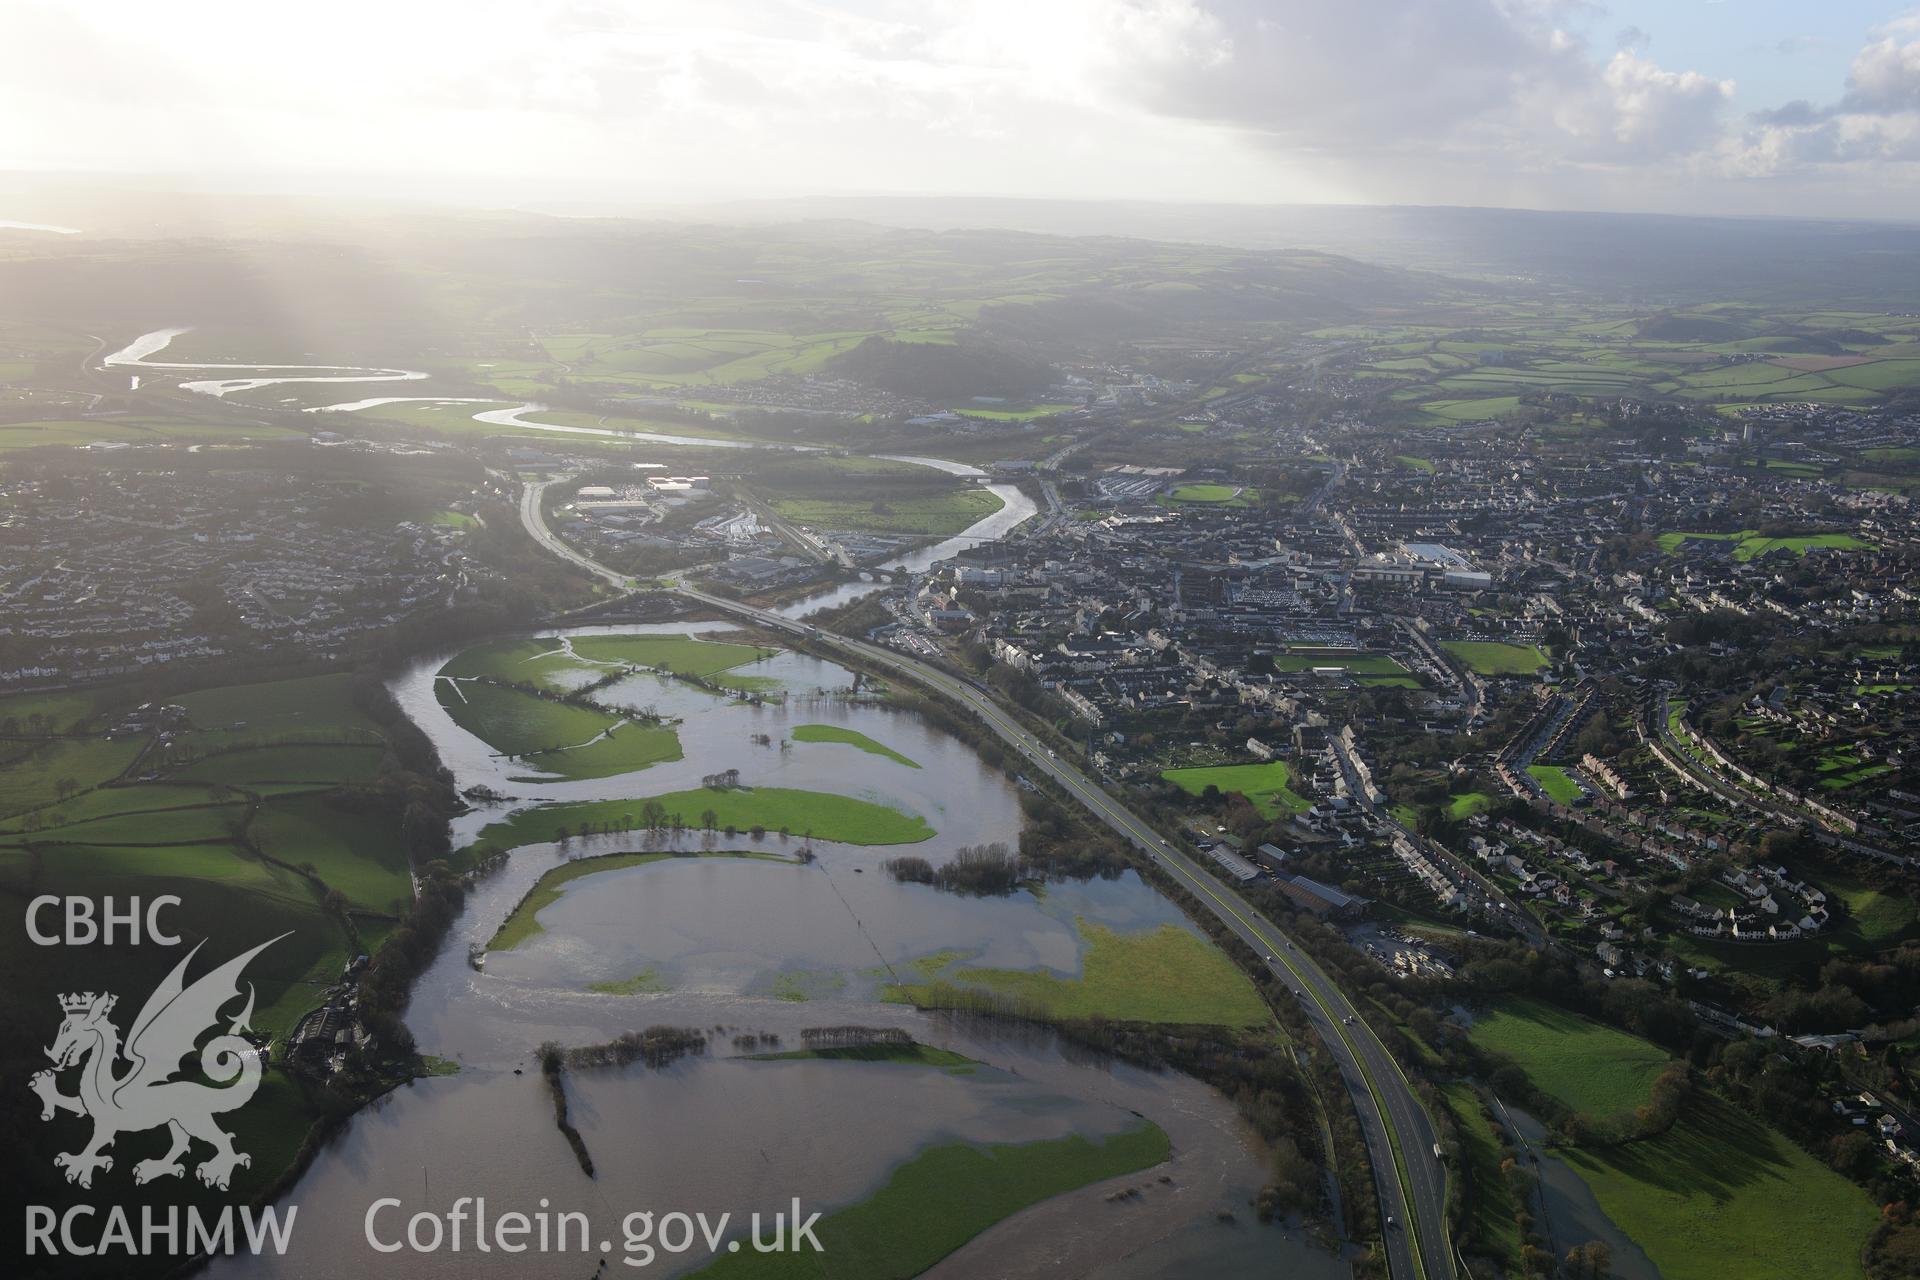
<point x="679" y="654"/>
<point x="819" y="814"/>
<point x="529" y="660"/>
<point x="627" y="747"/>
<point x="354" y="851"/>
<point x="943" y="1197"/>
<point x="1495" y="658"/>
<point x="188" y="833"/>
<point x="305" y="709"/>
<point x="524" y="921"/>
<point x="1583" y="1064"/>
<point x="1722" y="1185"/>
<point x="1728" y="355"/>
<point x="1265" y="785"/>
<point x="1158" y="975"/>
<point x="848" y="737"/>
<point x="516" y="723"/>
<point x="305" y="765"/>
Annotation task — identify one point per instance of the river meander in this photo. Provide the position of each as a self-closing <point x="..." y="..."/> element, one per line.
<point x="769" y="947"/>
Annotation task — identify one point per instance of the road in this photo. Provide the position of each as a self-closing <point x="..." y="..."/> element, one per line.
<point x="1410" y="1179"/>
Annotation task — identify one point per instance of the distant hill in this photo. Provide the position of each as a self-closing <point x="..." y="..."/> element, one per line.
<point x="1868" y="264"/>
<point x="942" y="371"/>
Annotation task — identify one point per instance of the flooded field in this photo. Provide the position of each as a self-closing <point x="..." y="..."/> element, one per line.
<point x="809" y="933"/>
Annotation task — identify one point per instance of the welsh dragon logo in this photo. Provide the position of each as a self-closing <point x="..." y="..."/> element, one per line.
<point x="146" y="1095"/>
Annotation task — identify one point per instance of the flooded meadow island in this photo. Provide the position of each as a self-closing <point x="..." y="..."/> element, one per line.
<point x="753" y="930"/>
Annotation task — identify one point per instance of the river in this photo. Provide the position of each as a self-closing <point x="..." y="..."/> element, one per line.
<point x="768" y="947"/>
<point x="1015" y="506"/>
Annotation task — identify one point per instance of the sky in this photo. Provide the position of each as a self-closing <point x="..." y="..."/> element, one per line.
<point x="1684" y="106"/>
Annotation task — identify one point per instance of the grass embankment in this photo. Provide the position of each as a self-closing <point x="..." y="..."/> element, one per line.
<point x="523" y="921"/>
<point x="912" y="1053"/>
<point x="850" y="737"/>
<point x="1265" y="785"/>
<point x="1156" y="975"/>
<point x="1497" y="658"/>
<point x="1492" y="1211"/>
<point x="1587" y="1065"/>
<point x="820" y="814"/>
<point x="941" y="1199"/>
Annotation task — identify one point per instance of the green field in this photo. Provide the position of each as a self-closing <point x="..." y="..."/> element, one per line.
<point x="543" y="663"/>
<point x="1205" y="493"/>
<point x="31" y="774"/>
<point x="1472" y="410"/>
<point x="311" y="765"/>
<point x="1748" y="544"/>
<point x="1722" y="1188"/>
<point x="1556" y="782"/>
<point x="309" y="709"/>
<point x="1493" y="1211"/>
<point x="941" y="1199"/>
<point x="1025" y="414"/>
<point x="1464" y="804"/>
<point x="564" y="738"/>
<point x="357" y="852"/>
<point x="1494" y="658"/>
<point x="516" y="723"/>
<point x="851" y="737"/>
<point x="627" y="748"/>
<point x="1265" y="785"/>
<point x="936" y="514"/>
<point x="1359" y="664"/>
<point x="1156" y="975"/>
<point x="1584" y="1064"/>
<point x="820" y="814"/>
<point x="523" y="921"/>
<point x="681" y="655"/>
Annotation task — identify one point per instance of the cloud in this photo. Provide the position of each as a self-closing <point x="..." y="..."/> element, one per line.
<point x="1885" y="76"/>
<point x="1473" y="100"/>
<point x="1501" y="78"/>
<point x="1875" y="122"/>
